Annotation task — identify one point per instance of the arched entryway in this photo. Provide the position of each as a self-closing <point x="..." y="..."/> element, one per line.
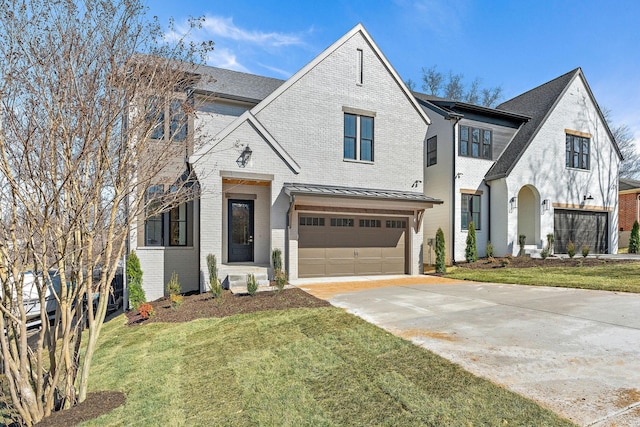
<point x="529" y="214"/>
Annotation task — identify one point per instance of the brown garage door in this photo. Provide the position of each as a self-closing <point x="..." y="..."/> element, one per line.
<point x="351" y="245"/>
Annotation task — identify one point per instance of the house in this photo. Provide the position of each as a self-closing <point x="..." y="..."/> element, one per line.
<point x="347" y="172"/>
<point x="629" y="208"/>
<point x="321" y="166"/>
<point x="544" y="162"/>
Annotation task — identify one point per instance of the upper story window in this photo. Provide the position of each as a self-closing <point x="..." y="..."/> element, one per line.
<point x="358" y="137"/>
<point x="475" y="142"/>
<point x="168" y="118"/>
<point x="577" y="151"/>
<point x="470" y="210"/>
<point x="432" y="151"/>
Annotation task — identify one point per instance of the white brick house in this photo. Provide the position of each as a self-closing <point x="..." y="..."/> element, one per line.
<point x="321" y="166"/>
<point x="347" y="172"/>
<point x="550" y="167"/>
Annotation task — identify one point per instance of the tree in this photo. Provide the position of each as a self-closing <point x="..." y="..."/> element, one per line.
<point x="75" y="160"/>
<point x="634" y="239"/>
<point x="630" y="166"/>
<point x="440" y="265"/>
<point x="471" y="252"/>
<point x="453" y="87"/>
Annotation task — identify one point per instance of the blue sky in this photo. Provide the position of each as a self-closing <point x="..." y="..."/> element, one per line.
<point x="515" y="44"/>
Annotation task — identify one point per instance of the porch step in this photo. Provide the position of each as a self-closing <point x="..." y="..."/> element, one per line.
<point x="235" y="277"/>
<point x="533" y="251"/>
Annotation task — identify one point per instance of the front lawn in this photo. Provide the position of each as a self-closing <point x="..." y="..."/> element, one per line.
<point x="608" y="276"/>
<point x="305" y="366"/>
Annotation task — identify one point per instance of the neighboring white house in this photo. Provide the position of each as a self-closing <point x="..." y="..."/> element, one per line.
<point x="347" y="172"/>
<point x="542" y="163"/>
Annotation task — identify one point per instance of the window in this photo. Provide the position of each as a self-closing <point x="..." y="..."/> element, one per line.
<point x="312" y="221"/>
<point x="475" y="142"/>
<point x="153" y="225"/>
<point x="470" y="207"/>
<point x="360" y="78"/>
<point x="396" y="223"/>
<point x="577" y="151"/>
<point x="432" y="151"/>
<point x="170" y="228"/>
<point x="167" y="118"/>
<point x="358" y="137"/>
<point x="342" y="222"/>
<point x="369" y="223"/>
<point x="178" y="225"/>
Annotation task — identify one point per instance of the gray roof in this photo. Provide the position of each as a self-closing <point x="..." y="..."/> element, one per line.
<point x="235" y="85"/>
<point x="358" y="193"/>
<point x="628" y="184"/>
<point x="450" y="108"/>
<point x="536" y="103"/>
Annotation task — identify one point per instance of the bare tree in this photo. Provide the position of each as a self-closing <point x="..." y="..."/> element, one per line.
<point x="453" y="87"/>
<point x="630" y="166"/>
<point x="76" y="156"/>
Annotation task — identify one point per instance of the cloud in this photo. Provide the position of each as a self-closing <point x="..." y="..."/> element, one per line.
<point x="279" y="71"/>
<point x="225" y="58"/>
<point x="225" y="28"/>
<point x="441" y="17"/>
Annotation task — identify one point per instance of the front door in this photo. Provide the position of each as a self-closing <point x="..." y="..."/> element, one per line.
<point x="240" y="230"/>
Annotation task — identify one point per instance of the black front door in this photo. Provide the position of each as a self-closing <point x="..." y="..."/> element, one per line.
<point x="240" y="230"/>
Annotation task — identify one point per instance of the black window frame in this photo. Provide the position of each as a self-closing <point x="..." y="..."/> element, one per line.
<point x="173" y="222"/>
<point x="472" y="212"/>
<point x="153" y="222"/>
<point x="169" y="118"/>
<point x="432" y="151"/>
<point x="475" y="142"/>
<point x="575" y="155"/>
<point x="354" y="139"/>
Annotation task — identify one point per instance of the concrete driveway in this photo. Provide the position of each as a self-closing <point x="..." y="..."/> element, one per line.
<point x="576" y="352"/>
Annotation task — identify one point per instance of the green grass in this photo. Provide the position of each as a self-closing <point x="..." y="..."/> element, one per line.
<point x="301" y="367"/>
<point x="621" y="277"/>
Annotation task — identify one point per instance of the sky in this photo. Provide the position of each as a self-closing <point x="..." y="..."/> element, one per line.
<point x="514" y="44"/>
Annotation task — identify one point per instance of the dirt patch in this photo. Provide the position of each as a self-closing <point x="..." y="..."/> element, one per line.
<point x="528" y="262"/>
<point x="328" y="290"/>
<point x="201" y="306"/>
<point x="421" y="333"/>
<point x="96" y="404"/>
<point x="626" y="397"/>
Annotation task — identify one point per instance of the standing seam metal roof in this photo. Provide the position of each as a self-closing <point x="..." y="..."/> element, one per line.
<point x="354" y="192"/>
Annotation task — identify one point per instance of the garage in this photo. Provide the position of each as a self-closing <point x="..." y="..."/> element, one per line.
<point x="582" y="228"/>
<point x="347" y="245"/>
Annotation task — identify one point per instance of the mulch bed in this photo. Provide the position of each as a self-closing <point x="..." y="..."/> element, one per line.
<point x="527" y="262"/>
<point x="196" y="306"/>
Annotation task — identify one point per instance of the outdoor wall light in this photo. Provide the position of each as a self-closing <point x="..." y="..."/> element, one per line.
<point x="587" y="196"/>
<point x="245" y="156"/>
<point x="513" y="203"/>
<point x="546" y="204"/>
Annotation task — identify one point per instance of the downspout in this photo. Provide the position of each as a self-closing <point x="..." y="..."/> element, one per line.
<point x="488" y="210"/>
<point x="453" y="191"/>
<point x="292" y="201"/>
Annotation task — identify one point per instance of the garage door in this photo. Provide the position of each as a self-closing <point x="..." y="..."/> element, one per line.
<point x="581" y="227"/>
<point x="351" y="245"/>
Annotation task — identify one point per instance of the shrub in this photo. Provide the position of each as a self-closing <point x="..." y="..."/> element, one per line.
<point x="521" y="241"/>
<point x="173" y="287"/>
<point x="276" y="259"/>
<point x="506" y="261"/>
<point x="215" y="287"/>
<point x="544" y="253"/>
<point x="634" y="239"/>
<point x="176" y="300"/>
<point x="585" y="250"/>
<point x="146" y="310"/>
<point x="252" y="285"/>
<point x="470" y="252"/>
<point x="440" y="266"/>
<point x="134" y="281"/>
<point x="280" y="277"/>
<point x="489" y="250"/>
<point x="571" y="249"/>
<point x="550" y="241"/>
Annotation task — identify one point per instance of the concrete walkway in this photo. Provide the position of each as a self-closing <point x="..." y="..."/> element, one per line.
<point x="575" y="351"/>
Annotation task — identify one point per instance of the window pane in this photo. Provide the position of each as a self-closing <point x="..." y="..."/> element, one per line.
<point x="153" y="231"/>
<point x="155" y="116"/>
<point x="178" y="127"/>
<point x="366" y="150"/>
<point x="178" y="225"/>
<point x="464" y="141"/>
<point x="475" y="143"/>
<point x="486" y="144"/>
<point x="366" y="127"/>
<point x="349" y="136"/>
